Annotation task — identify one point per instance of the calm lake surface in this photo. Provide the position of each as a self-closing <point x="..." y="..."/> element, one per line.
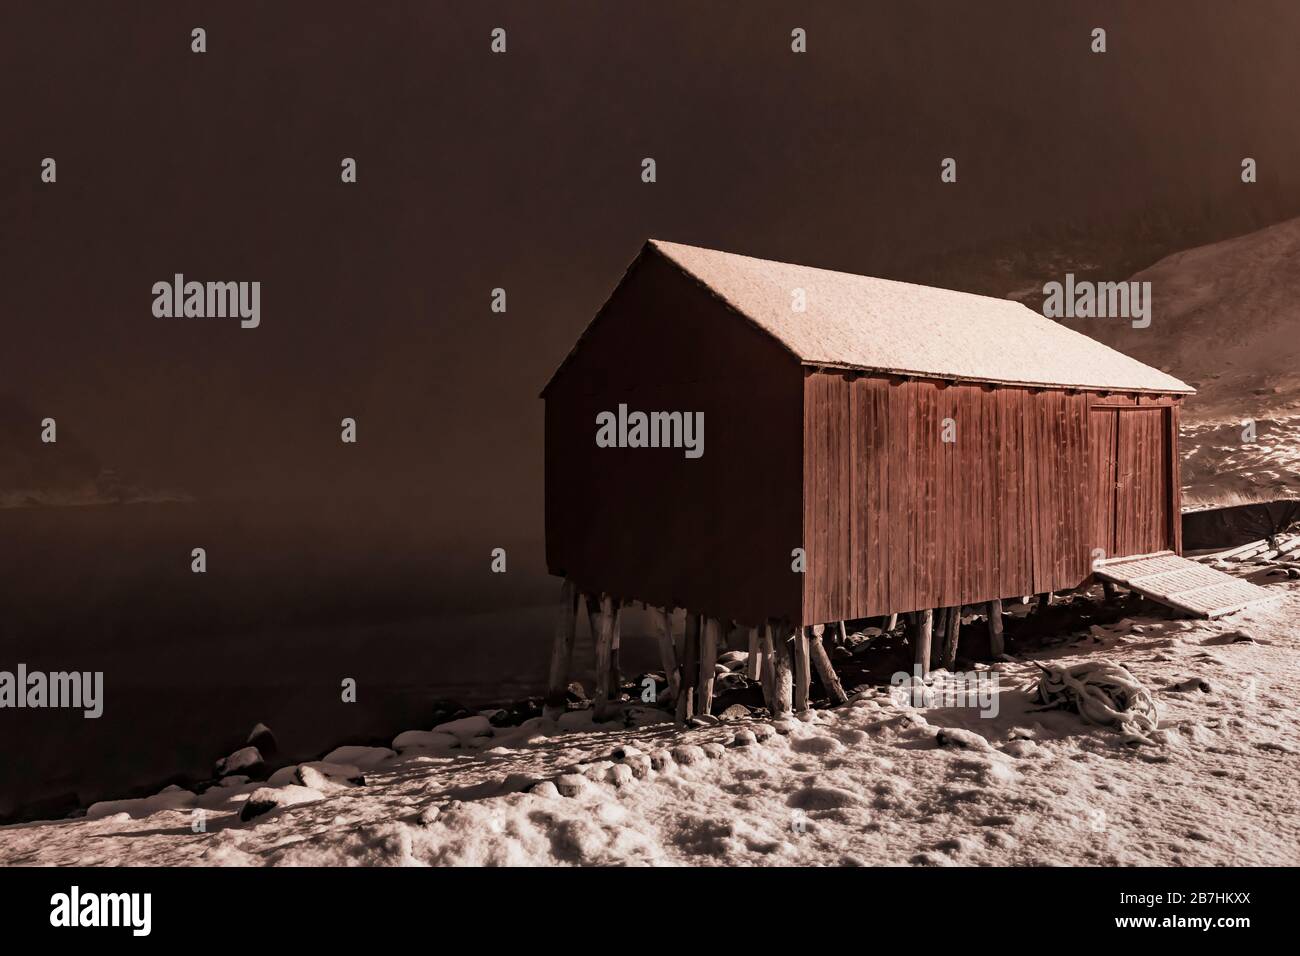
<point x="290" y="606"/>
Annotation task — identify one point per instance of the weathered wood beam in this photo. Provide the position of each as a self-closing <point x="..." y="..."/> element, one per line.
<point x="782" y="668"/>
<point x="603" y="632"/>
<point x="891" y="623"/>
<point x="951" y="633"/>
<point x="708" y="663"/>
<point x="768" y="674"/>
<point x="825" y="672"/>
<point x="615" y="671"/>
<point x="690" y="667"/>
<point x="996" y="644"/>
<point x="663" y="625"/>
<point x="754" y="663"/>
<point x="566" y="626"/>
<point x="924" y="628"/>
<point x="802" y="669"/>
<point x="939" y="636"/>
<point x="841" y="634"/>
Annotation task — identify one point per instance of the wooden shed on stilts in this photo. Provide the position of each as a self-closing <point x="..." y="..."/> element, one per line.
<point x="787" y="447"/>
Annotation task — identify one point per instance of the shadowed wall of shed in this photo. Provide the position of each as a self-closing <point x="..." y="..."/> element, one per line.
<point x="896" y="520"/>
<point x="713" y="534"/>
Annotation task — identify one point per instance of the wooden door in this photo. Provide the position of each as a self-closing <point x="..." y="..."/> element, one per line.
<point x="1130" y="480"/>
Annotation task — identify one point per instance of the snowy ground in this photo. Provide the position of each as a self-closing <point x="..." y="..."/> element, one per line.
<point x="1219" y="468"/>
<point x="874" y="782"/>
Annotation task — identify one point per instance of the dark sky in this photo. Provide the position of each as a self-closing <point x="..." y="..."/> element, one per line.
<point x="522" y="171"/>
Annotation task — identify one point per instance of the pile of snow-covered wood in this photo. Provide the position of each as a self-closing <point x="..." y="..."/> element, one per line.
<point x="1278" y="557"/>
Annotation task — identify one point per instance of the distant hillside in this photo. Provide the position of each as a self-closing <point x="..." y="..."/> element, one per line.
<point x="1102" y="248"/>
<point x="1226" y="319"/>
<point x="34" y="473"/>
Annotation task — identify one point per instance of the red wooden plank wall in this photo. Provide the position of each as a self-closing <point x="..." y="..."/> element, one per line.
<point x="896" y="519"/>
<point x="1104" y="470"/>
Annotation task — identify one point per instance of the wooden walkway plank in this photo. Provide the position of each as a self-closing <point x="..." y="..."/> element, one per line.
<point x="1182" y="584"/>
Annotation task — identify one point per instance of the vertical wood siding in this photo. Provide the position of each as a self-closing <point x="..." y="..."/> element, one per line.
<point x="896" y="520"/>
<point x="1134" y="476"/>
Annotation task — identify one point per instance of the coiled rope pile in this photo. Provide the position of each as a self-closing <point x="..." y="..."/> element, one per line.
<point x="1101" y="693"/>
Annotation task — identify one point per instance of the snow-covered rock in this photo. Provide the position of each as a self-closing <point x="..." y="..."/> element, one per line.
<point x="262" y="738"/>
<point x="245" y="758"/>
<point x="575" y="720"/>
<point x="170" y="798"/>
<point x="467" y="728"/>
<point x="266" y="799"/>
<point x="363" y="757"/>
<point x="425" y="740"/>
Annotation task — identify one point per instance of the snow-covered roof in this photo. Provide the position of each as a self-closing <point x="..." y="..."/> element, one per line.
<point x="858" y="322"/>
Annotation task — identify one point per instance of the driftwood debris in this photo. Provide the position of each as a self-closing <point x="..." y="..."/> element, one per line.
<point x="825" y="672"/>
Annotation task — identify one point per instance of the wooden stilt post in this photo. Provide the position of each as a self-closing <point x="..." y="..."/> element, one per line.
<point x="615" y="672"/>
<point x="1108" y="591"/>
<point x="1046" y="599"/>
<point x="891" y="623"/>
<point x="754" y="663"/>
<point x="708" y="661"/>
<point x="782" y="668"/>
<point x="841" y="634"/>
<point x="557" y="687"/>
<point x="690" y="668"/>
<point x="825" y="672"/>
<point x="603" y="632"/>
<point x="663" y="624"/>
<point x="924" y="629"/>
<point x="996" y="644"/>
<point x="939" y="635"/>
<point x="951" y="634"/>
<point x="768" y="674"/>
<point x="802" y="670"/>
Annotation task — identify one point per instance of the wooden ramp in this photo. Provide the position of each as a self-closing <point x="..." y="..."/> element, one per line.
<point x="1195" y="588"/>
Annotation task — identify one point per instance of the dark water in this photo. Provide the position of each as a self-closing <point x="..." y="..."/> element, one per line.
<point x="289" y="607"/>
